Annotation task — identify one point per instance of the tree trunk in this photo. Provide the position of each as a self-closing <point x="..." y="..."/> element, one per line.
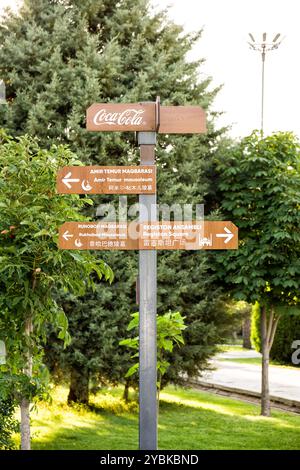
<point x="268" y="330"/>
<point x="25" y="424"/>
<point x="265" y="394"/>
<point x="126" y="392"/>
<point x="79" y="386"/>
<point x="25" y="403"/>
<point x="247" y="331"/>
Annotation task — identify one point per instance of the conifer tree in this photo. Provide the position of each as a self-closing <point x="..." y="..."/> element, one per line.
<point x="57" y="58"/>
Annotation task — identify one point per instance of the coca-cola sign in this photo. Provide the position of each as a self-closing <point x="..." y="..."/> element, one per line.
<point x="128" y="117"/>
<point x="121" y="117"/>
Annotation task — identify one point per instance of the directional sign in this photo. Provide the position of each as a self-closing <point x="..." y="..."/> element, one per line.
<point x="189" y="236"/>
<point x="145" y="117"/>
<point x="107" y="180"/>
<point x="182" y="120"/>
<point x="98" y="236"/>
<point x="148" y="236"/>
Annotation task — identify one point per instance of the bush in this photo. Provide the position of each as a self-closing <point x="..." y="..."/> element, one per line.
<point x="8" y="424"/>
<point x="288" y="330"/>
<point x="255" y="326"/>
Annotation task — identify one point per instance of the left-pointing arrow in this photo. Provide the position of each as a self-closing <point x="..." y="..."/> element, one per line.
<point x="228" y="235"/>
<point x="67" y="235"/>
<point x="67" y="180"/>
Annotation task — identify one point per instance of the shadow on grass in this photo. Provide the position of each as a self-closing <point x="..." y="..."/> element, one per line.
<point x="115" y="409"/>
<point x="109" y="432"/>
<point x="187" y="423"/>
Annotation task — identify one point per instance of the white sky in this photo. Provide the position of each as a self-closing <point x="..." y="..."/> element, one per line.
<point x="230" y="62"/>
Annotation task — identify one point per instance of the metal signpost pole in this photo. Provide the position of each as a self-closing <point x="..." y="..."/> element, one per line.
<point x="147" y="307"/>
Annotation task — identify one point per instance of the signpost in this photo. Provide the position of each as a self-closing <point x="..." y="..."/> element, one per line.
<point x="106" y="180"/>
<point x="147" y="236"/>
<point x="180" y="235"/>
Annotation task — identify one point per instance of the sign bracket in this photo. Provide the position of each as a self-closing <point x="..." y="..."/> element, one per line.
<point x="157" y="114"/>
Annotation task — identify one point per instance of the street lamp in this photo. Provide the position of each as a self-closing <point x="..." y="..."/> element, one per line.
<point x="263" y="47"/>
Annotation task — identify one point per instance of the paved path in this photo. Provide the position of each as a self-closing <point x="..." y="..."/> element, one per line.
<point x="284" y="382"/>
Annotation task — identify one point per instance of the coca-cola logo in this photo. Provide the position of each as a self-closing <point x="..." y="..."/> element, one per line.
<point x="128" y="117"/>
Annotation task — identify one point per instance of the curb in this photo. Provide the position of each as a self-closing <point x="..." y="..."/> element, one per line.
<point x="295" y="404"/>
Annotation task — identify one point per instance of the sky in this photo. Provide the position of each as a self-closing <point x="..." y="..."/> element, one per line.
<point x="231" y="63"/>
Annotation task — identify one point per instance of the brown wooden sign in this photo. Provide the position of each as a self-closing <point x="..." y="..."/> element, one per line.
<point x="107" y="180"/>
<point x="98" y="236"/>
<point x="182" y="120"/>
<point x="121" y="117"/>
<point x="146" y="117"/>
<point x="188" y="235"/>
<point x="193" y="235"/>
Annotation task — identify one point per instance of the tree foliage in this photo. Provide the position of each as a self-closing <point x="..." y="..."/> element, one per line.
<point x="8" y="423"/>
<point x="97" y="321"/>
<point x="169" y="335"/>
<point x="260" y="191"/>
<point x="32" y="268"/>
<point x="58" y="57"/>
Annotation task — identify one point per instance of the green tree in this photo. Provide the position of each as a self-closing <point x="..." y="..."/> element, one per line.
<point x="58" y="57"/>
<point x="259" y="183"/>
<point x="32" y="268"/>
<point x="97" y="321"/>
<point x="169" y="335"/>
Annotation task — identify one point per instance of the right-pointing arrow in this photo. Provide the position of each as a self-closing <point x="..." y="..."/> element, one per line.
<point x="67" y="235"/>
<point x="228" y="235"/>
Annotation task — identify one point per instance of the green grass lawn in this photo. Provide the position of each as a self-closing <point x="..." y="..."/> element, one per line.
<point x="242" y="360"/>
<point x="231" y="347"/>
<point x="189" y="419"/>
<point x="255" y="361"/>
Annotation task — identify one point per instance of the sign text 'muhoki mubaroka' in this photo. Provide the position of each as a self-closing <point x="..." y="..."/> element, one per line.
<point x="194" y="235"/>
<point x="107" y="179"/>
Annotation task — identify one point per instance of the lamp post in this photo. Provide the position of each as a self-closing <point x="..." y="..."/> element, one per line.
<point x="263" y="47"/>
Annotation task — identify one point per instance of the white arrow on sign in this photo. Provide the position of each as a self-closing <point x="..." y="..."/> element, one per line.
<point x="67" y="180"/>
<point x="67" y="235"/>
<point x="228" y="235"/>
